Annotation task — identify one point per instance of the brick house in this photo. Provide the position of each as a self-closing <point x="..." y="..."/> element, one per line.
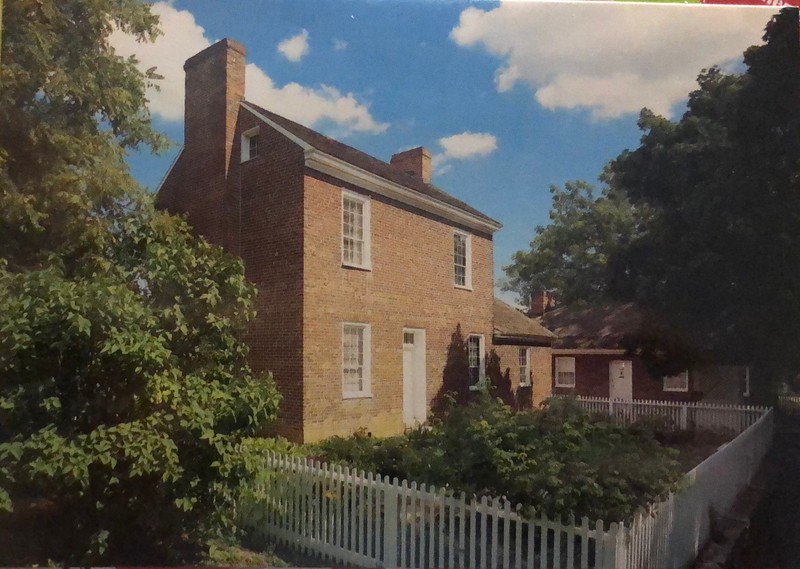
<point x="375" y="287"/>
<point x="589" y="359"/>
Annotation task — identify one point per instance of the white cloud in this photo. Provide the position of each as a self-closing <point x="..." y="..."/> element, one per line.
<point x="462" y="146"/>
<point x="339" y="45"/>
<point x="308" y="106"/>
<point x="183" y="37"/>
<point x="468" y="145"/>
<point x="295" y="47"/>
<point x="609" y="58"/>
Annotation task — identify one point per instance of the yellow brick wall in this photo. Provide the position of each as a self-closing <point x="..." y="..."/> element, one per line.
<point x="541" y="383"/>
<point x="410" y="285"/>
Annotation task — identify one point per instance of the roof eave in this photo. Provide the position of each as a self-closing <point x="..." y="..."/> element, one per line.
<point x="501" y="339"/>
<point x="343" y="170"/>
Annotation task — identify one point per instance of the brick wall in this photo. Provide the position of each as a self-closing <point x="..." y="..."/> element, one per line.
<point x="591" y="379"/>
<point x="410" y="285"/>
<point x="270" y="242"/>
<point x="541" y="381"/>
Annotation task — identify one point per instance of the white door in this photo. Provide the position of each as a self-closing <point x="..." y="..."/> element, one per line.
<point x="415" y="400"/>
<point x="620" y="380"/>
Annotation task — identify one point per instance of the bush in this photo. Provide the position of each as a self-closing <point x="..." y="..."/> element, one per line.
<point x="557" y="460"/>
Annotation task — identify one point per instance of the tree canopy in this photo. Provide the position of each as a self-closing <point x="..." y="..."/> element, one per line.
<point x="571" y="255"/>
<point x="704" y="215"/>
<point x="126" y="400"/>
<point x="720" y="254"/>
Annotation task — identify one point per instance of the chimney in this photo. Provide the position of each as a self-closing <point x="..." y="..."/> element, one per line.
<point x="416" y="162"/>
<point x="541" y="302"/>
<point x="214" y="89"/>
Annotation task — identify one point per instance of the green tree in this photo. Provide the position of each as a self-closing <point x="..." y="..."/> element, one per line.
<point x="571" y="255"/>
<point x="126" y="400"/>
<point x="720" y="254"/>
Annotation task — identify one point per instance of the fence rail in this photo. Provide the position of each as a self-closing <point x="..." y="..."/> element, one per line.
<point x="676" y="415"/>
<point x="349" y="516"/>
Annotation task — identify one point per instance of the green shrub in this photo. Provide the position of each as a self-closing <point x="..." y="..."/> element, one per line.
<point x="557" y="460"/>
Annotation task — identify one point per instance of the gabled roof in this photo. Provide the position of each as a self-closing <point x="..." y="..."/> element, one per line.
<point x="601" y="327"/>
<point x="364" y="161"/>
<point x="513" y="327"/>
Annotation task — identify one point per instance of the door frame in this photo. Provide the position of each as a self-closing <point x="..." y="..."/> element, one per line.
<point x="418" y="397"/>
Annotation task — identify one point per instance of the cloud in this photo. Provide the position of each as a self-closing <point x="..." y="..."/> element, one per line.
<point x="608" y="58"/>
<point x="462" y="147"/>
<point x="339" y="45"/>
<point x="295" y="47"/>
<point x="308" y="106"/>
<point x="183" y="37"/>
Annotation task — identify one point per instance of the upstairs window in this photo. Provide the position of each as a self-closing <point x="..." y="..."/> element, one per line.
<point x="476" y="361"/>
<point x="678" y="382"/>
<point x="565" y="372"/>
<point x="355" y="231"/>
<point x="355" y="360"/>
<point x="249" y="144"/>
<point x="462" y="260"/>
<point x="524" y="367"/>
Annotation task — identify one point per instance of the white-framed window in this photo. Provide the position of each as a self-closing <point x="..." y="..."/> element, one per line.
<point x="356" y="361"/>
<point x="355" y="230"/>
<point x="475" y="356"/>
<point x="249" y="144"/>
<point x="524" y="367"/>
<point x="462" y="260"/>
<point x="678" y="382"/>
<point x="565" y="372"/>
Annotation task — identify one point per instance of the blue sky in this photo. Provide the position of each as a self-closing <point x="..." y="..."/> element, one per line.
<point x="509" y="97"/>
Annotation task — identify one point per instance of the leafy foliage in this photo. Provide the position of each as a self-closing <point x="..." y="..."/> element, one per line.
<point x="556" y="460"/>
<point x="720" y="255"/>
<point x="125" y="396"/>
<point x="571" y="255"/>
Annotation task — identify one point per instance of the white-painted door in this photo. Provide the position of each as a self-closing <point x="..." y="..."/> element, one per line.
<point x="415" y="399"/>
<point x="620" y="380"/>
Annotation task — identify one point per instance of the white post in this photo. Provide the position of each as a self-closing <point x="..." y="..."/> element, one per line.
<point x="390" y="523"/>
<point x="684" y="417"/>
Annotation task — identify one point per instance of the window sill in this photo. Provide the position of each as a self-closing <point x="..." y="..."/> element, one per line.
<point x="676" y="390"/>
<point x="362" y="395"/>
<point x="366" y="268"/>
<point x="565" y="386"/>
<point x="462" y="287"/>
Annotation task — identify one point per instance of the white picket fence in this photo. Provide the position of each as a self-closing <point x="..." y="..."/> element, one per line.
<point x="676" y="415"/>
<point x="348" y="516"/>
<point x="672" y="533"/>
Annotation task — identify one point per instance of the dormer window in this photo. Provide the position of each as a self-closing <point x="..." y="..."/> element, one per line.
<point x="249" y="144"/>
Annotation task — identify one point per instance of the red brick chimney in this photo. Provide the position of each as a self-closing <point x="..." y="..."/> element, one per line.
<point x="197" y="184"/>
<point x="541" y="302"/>
<point x="416" y="162"/>
<point x="214" y="89"/>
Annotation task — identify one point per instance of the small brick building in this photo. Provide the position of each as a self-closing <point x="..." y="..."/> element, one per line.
<point x="589" y="359"/>
<point x="375" y="287"/>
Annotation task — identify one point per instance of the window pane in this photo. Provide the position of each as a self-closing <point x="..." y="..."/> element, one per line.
<point x="459" y="259"/>
<point x="352" y="231"/>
